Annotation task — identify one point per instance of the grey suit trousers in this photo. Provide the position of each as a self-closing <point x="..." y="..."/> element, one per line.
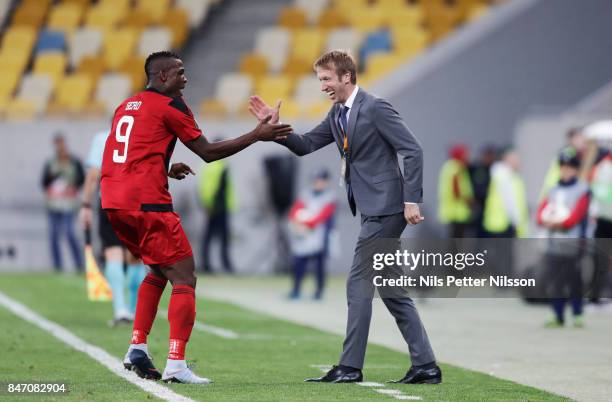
<point x="360" y="292"/>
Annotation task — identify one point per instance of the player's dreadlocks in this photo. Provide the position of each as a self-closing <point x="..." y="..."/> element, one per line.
<point x="157" y="56"/>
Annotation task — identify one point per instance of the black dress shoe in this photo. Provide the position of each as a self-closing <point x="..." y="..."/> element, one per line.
<point x="339" y="374"/>
<point x="421" y="376"/>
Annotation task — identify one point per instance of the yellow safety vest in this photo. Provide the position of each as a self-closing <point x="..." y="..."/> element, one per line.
<point x="496" y="219"/>
<point x="450" y="208"/>
<point x="210" y="179"/>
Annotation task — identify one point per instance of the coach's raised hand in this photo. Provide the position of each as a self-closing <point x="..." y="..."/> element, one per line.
<point x="261" y="110"/>
<point x="266" y="131"/>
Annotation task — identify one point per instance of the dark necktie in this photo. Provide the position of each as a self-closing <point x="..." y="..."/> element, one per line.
<point x="349" y="190"/>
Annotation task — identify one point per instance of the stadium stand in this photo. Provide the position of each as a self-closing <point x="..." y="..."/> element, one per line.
<point x="81" y="57"/>
<point x="381" y="34"/>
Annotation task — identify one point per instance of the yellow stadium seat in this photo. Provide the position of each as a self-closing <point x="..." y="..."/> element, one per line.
<point x="307" y="45"/>
<point x="348" y="6"/>
<point x="177" y="21"/>
<point x="137" y="19"/>
<point x="123" y="4"/>
<point x="296" y="67"/>
<point x="118" y="46"/>
<point x="291" y="109"/>
<point x="157" y="9"/>
<point x="332" y="18"/>
<point x="104" y="17"/>
<point x="274" y="87"/>
<point x="51" y="63"/>
<point x="73" y="93"/>
<point x="9" y="81"/>
<point x="317" y="110"/>
<point x="20" y="110"/>
<point x="93" y="66"/>
<point x="254" y="65"/>
<point x="133" y="67"/>
<point x="20" y="37"/>
<point x="367" y="18"/>
<point x="409" y="40"/>
<point x="407" y="16"/>
<point x="14" y="59"/>
<point x="380" y="64"/>
<point x="441" y="19"/>
<point x="292" y="18"/>
<point x="29" y="15"/>
<point x="65" y="17"/>
<point x="395" y="5"/>
<point x="81" y="3"/>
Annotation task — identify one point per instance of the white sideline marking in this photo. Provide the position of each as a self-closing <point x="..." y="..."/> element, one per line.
<point x="211" y="329"/>
<point x="98" y="354"/>
<point x="376" y="386"/>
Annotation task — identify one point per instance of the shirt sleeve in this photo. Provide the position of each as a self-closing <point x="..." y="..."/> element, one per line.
<point x="180" y="121"/>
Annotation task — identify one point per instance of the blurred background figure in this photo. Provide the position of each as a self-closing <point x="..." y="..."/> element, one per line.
<point x="311" y="220"/>
<point x="506" y="213"/>
<point x="455" y="193"/>
<point x="575" y="139"/>
<point x="563" y="212"/>
<point x="601" y="213"/>
<point x="480" y="175"/>
<point x="62" y="178"/>
<point x="217" y="198"/>
<point x="114" y="252"/>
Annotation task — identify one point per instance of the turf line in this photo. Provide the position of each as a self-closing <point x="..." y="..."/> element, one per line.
<point x="376" y="386"/>
<point x="211" y="329"/>
<point x="100" y="355"/>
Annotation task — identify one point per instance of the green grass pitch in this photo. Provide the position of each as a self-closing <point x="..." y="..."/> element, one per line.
<point x="268" y="362"/>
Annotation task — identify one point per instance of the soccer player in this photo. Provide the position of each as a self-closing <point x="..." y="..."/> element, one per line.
<point x="134" y="189"/>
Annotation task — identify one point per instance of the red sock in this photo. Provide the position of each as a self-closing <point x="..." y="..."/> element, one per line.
<point x="149" y="293"/>
<point x="181" y="314"/>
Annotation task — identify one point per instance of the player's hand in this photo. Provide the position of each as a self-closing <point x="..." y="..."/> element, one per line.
<point x="261" y="110"/>
<point x="412" y="214"/>
<point x="271" y="132"/>
<point x="85" y="217"/>
<point x="179" y="171"/>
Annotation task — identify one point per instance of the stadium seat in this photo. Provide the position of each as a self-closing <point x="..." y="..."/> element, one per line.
<point x="37" y="89"/>
<point x="111" y="90"/>
<point x="14" y="59"/>
<point x="367" y="19"/>
<point x="254" y="65"/>
<point x="104" y="17"/>
<point x="274" y="87"/>
<point x="30" y="14"/>
<point x="84" y="42"/>
<point x="233" y="91"/>
<point x="405" y="17"/>
<point x="8" y="84"/>
<point x="20" y="37"/>
<point x="82" y="3"/>
<point x="307" y="44"/>
<point x="379" y="41"/>
<point x="157" y="9"/>
<point x="153" y="40"/>
<point x="408" y="40"/>
<point x="20" y="110"/>
<point x="317" y="110"/>
<point x="51" y="63"/>
<point x="292" y="18"/>
<point x="73" y="93"/>
<point x="122" y="4"/>
<point x="50" y="41"/>
<point x="118" y="45"/>
<point x="137" y="19"/>
<point x="273" y="43"/>
<point x="65" y="17"/>
<point x="313" y="8"/>
<point x="344" y="38"/>
<point x="379" y="64"/>
<point x="291" y="109"/>
<point x="196" y="10"/>
<point x="350" y="4"/>
<point x="177" y="21"/>
<point x="92" y="65"/>
<point x="332" y="18"/>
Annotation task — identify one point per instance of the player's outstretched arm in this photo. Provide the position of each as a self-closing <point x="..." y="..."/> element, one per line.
<point x="218" y="150"/>
<point x="91" y="181"/>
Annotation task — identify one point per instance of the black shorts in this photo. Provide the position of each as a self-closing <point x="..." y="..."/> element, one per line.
<point x="107" y="234"/>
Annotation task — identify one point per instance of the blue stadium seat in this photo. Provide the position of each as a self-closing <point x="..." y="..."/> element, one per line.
<point x="50" y="41"/>
<point x="375" y="42"/>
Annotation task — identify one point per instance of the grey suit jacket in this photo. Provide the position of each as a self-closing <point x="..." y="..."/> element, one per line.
<point x="376" y="134"/>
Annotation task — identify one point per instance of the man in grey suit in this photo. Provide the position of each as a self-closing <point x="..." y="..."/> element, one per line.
<point x="369" y="134"/>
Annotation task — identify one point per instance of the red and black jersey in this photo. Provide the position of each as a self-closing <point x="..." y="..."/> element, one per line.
<point x="137" y="153"/>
